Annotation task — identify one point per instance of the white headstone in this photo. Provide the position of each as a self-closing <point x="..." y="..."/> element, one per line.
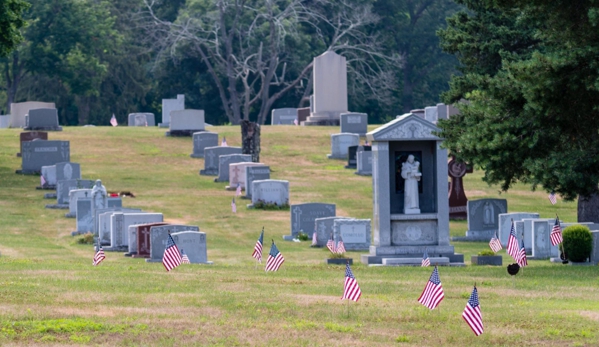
<point x="169" y="105"/>
<point x="340" y="144"/>
<point x="330" y="85"/>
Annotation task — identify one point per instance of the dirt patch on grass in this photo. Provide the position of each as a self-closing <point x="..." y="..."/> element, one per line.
<point x="590" y="314"/>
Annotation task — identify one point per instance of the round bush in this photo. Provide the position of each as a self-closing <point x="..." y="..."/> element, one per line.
<point x="578" y="243"/>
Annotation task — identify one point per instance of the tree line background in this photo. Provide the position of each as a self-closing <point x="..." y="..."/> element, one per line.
<point x="234" y="59"/>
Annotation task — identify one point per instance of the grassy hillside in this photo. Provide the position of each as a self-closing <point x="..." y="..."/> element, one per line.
<point x="51" y="295"/>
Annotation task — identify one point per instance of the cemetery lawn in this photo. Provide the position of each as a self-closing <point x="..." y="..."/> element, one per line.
<point x="50" y="294"/>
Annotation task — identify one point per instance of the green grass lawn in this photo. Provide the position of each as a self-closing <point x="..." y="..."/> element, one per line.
<point x="50" y="294"/>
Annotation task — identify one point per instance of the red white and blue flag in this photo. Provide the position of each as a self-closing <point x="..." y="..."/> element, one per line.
<point x="351" y="289"/>
<point x="340" y="247"/>
<point x="42" y="181"/>
<point x="275" y="259"/>
<point x="184" y="257"/>
<point x="238" y="190"/>
<point x="556" y="233"/>
<point x="495" y="244"/>
<point x="552" y="198"/>
<point x="172" y="256"/>
<point x="472" y="314"/>
<point x="233" y="206"/>
<point x="314" y="239"/>
<point x="331" y="245"/>
<point x="512" y="244"/>
<point x="113" y="121"/>
<point x="257" y="253"/>
<point x="425" y="260"/>
<point x="522" y="261"/>
<point x="433" y="291"/>
<point x="99" y="256"/>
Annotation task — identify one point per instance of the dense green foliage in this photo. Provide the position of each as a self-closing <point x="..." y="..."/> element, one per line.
<point x="95" y="58"/>
<point x="11" y="20"/>
<point x="531" y="81"/>
<point x="578" y="243"/>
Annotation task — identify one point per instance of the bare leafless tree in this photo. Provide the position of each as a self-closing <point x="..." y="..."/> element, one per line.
<point x="243" y="44"/>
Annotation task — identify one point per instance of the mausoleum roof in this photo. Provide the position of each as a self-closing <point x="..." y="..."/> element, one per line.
<point x="408" y="127"/>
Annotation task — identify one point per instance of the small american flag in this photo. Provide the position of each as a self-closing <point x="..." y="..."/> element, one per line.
<point x="184" y="257"/>
<point x="351" y="289"/>
<point x="552" y="198"/>
<point x="433" y="292"/>
<point x="233" y="206"/>
<point x="522" y="261"/>
<point x="238" y="190"/>
<point x="314" y="239"/>
<point x="224" y="142"/>
<point x="556" y="233"/>
<point x="172" y="257"/>
<point x="512" y="244"/>
<point x="472" y="314"/>
<point x="258" y="247"/>
<point x="275" y="259"/>
<point x="99" y="256"/>
<point x="42" y="181"/>
<point x="366" y="143"/>
<point x="331" y="245"/>
<point x="495" y="244"/>
<point x="425" y="260"/>
<point x="295" y="121"/>
<point x="340" y="247"/>
<point x="113" y="121"/>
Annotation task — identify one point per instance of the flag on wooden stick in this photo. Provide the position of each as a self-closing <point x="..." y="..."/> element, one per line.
<point x="113" y="121"/>
<point x="275" y="259"/>
<point x="331" y="245"/>
<point x="233" y="206"/>
<point x="425" y="260"/>
<point x="184" y="257"/>
<point x="495" y="244"/>
<point x="552" y="198"/>
<point x="99" y="256"/>
<point x="512" y="244"/>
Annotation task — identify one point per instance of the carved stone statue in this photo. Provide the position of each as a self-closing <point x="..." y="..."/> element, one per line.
<point x="99" y="196"/>
<point x="410" y="171"/>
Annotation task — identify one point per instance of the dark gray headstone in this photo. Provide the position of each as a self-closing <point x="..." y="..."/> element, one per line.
<point x="202" y="140"/>
<point x="303" y="216"/>
<point x="36" y="154"/>
<point x="211" y="155"/>
<point x="193" y="243"/>
<point x="65" y="186"/>
<point x="141" y="120"/>
<point x="595" y="251"/>
<point x="255" y="173"/>
<point x="159" y="238"/>
<point x="483" y="217"/>
<point x="225" y="160"/>
<point x="68" y="171"/>
<point x="364" y="161"/>
<point x="42" y="119"/>
<point x="355" y="123"/>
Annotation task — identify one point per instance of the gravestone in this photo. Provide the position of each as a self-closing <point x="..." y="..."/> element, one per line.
<point x="36" y="154"/>
<point x="303" y="114"/>
<point x="303" y="217"/>
<point x="141" y="120"/>
<point x="355" y="233"/>
<point x="324" y="229"/>
<point x="354" y="123"/>
<point x="430" y="114"/>
<point x="135" y="237"/>
<point x="30" y="136"/>
<point x="74" y="195"/>
<point x="68" y="171"/>
<point x="283" y="116"/>
<point x="237" y="174"/>
<point x="4" y="121"/>
<point x="64" y="187"/>
<point x="270" y="192"/>
<point x="169" y="105"/>
<point x="159" y="238"/>
<point x="401" y="238"/>
<point x="211" y="161"/>
<point x="186" y="122"/>
<point x="505" y="223"/>
<point x="49" y="174"/>
<point x="45" y="119"/>
<point x="352" y="155"/>
<point x="330" y="89"/>
<point x="441" y="111"/>
<point x="254" y="173"/>
<point x="85" y="220"/>
<point x="102" y="219"/>
<point x="119" y="227"/>
<point x="540" y="240"/>
<point x="595" y="250"/>
<point x="202" y="140"/>
<point x="225" y="160"/>
<point x="458" y="202"/>
<point x="193" y="243"/>
<point x="364" y="161"/>
<point x="20" y="109"/>
<point x="483" y="219"/>
<point x="528" y="227"/>
<point x="340" y="144"/>
<point x="143" y="246"/>
<point x="418" y="112"/>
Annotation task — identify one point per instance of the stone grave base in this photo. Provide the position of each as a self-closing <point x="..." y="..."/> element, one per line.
<point x="339" y="261"/>
<point x="484" y="235"/>
<point x="117" y="249"/>
<point x="150" y="260"/>
<point x="58" y="128"/>
<point x="350" y="167"/>
<point x="50" y="196"/>
<point x="366" y="173"/>
<point x="233" y="188"/>
<point x="330" y="156"/>
<point x="209" y="172"/>
<point x="441" y="261"/>
<point x="196" y="155"/>
<point x="377" y="254"/>
<point x="321" y="122"/>
<point x="586" y="263"/>
<point x="495" y="260"/>
<point x="46" y="187"/>
<point x="28" y="172"/>
<point x="217" y="180"/>
<point x="163" y="125"/>
<point x="58" y="206"/>
<point x="70" y="215"/>
<point x="19" y="155"/>
<point x="182" y="133"/>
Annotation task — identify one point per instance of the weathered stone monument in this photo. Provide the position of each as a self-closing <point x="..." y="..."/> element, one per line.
<point x="36" y="154"/>
<point x="30" y="136"/>
<point x="330" y="89"/>
<point x="225" y="160"/>
<point x="283" y="116"/>
<point x="354" y="123"/>
<point x="202" y="140"/>
<point x="141" y="119"/>
<point x="483" y="219"/>
<point x="274" y="192"/>
<point x="255" y="173"/>
<point x="20" y="109"/>
<point x="400" y="237"/>
<point x="303" y="217"/>
<point x="169" y="105"/>
<point x="457" y="197"/>
<point x="355" y="233"/>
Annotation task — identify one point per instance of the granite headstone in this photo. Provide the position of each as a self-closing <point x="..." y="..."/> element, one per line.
<point x="225" y="160"/>
<point x="36" y="154"/>
<point x="255" y="173"/>
<point x="211" y="155"/>
<point x="283" y="116"/>
<point x="270" y="192"/>
<point x="159" y="238"/>
<point x="354" y="123"/>
<point x="45" y="119"/>
<point x="340" y="144"/>
<point x="193" y="243"/>
<point x="202" y="140"/>
<point x="303" y="217"/>
<point x="355" y="233"/>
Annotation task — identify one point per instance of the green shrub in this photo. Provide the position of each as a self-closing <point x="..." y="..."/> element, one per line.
<point x="486" y="252"/>
<point x="86" y="239"/>
<point x="303" y="236"/>
<point x="261" y="204"/>
<point x="578" y="243"/>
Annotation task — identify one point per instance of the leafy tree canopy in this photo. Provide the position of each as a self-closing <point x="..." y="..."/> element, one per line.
<point x="11" y="20"/>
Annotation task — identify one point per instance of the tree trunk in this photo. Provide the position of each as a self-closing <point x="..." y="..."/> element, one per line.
<point x="250" y="138"/>
<point x="588" y="208"/>
<point x="83" y="109"/>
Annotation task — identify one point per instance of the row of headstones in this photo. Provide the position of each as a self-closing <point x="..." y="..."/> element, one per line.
<point x="351" y="122"/>
<point x="347" y="146"/>
<point x="37" y="151"/>
<point x="32" y="115"/>
<point x="434" y="113"/>
<point x="320" y="218"/>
